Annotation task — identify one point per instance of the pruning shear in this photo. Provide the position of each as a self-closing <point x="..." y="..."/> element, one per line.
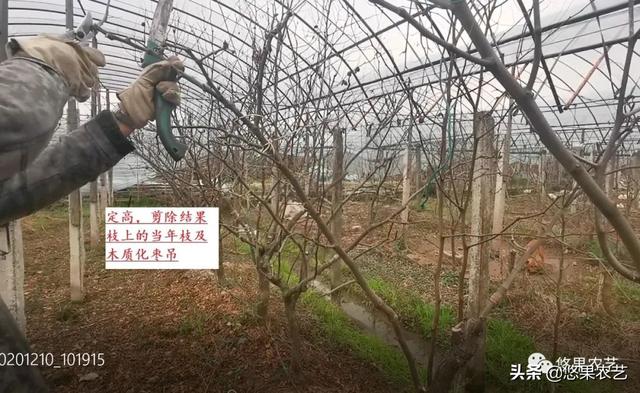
<point x="85" y="32"/>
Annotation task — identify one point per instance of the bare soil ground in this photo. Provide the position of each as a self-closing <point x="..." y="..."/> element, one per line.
<point x="182" y="332"/>
<point x="169" y="331"/>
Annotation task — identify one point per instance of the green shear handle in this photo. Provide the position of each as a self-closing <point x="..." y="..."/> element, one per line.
<point x="175" y="148"/>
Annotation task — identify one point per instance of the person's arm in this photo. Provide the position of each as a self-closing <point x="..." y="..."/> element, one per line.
<point x="77" y="159"/>
<point x="32" y="96"/>
<point x="31" y="103"/>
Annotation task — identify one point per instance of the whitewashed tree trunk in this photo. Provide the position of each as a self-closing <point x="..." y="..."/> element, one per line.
<point x="481" y="220"/>
<point x="12" y="271"/>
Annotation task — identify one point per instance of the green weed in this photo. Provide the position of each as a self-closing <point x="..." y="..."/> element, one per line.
<point x="193" y="324"/>
<point x="505" y="344"/>
<point x="67" y="312"/>
<point x="449" y="279"/>
<point x="337" y="326"/>
<point x="242" y="247"/>
<point x="411" y="308"/>
<point x="138" y="201"/>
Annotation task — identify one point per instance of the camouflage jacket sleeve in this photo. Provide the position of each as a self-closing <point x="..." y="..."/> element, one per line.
<point x="32" y="99"/>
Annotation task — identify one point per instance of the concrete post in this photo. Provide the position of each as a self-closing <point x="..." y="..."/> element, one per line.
<point x="76" y="235"/>
<point x="109" y="178"/>
<point x="502" y="177"/>
<point x="94" y="228"/>
<point x="12" y="271"/>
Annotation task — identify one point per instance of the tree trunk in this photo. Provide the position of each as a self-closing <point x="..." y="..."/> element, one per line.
<point x="290" y="301"/>
<point x="220" y="271"/>
<point x="542" y="175"/>
<point x="479" y="255"/>
<point x="417" y="167"/>
<point x="604" y="300"/>
<point x="336" y="202"/>
<point x="406" y="189"/>
<point x="262" y="308"/>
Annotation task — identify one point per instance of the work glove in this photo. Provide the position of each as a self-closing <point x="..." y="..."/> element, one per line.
<point x="137" y="100"/>
<point x="78" y="65"/>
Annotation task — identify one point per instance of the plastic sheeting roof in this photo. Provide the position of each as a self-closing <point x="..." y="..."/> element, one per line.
<point x="350" y="62"/>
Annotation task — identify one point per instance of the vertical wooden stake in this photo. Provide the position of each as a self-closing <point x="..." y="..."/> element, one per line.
<point x="336" y="201"/>
<point x="12" y="271"/>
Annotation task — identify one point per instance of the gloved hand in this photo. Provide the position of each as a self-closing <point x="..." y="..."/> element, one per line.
<point x="136" y="101"/>
<point x="78" y="65"/>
